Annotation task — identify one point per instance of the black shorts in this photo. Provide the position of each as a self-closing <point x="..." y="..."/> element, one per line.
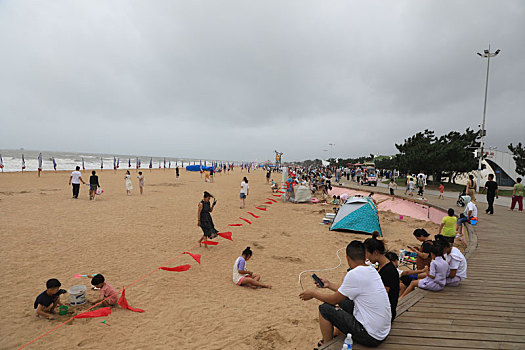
<point x="450" y="239"/>
<point x="391" y="191"/>
<point x="407" y="279"/>
<point x="342" y="317"/>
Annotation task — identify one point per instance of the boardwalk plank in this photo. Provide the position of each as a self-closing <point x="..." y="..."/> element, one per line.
<point x="500" y="334"/>
<point x="461" y="336"/>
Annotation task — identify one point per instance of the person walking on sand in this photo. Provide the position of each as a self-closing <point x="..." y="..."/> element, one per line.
<point x="75" y="179"/>
<point x="244" y="191"/>
<point x="177" y="172"/>
<point x="93" y="185"/>
<point x="204" y="220"/>
<point x="129" y="185"/>
<point x="141" y="182"/>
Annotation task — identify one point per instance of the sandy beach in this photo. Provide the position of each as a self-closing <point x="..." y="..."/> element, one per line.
<point x="47" y="234"/>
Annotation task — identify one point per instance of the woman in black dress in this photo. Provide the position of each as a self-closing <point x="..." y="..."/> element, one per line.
<point x="204" y="220"/>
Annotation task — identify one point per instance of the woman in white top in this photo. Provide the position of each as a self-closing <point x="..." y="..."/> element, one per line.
<point x="457" y="270"/>
<point x="244" y="190"/>
<point x="129" y="185"/>
<point x="243" y="277"/>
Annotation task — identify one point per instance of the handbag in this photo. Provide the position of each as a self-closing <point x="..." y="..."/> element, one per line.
<point x="99" y="191"/>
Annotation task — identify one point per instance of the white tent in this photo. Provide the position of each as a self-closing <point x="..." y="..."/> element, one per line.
<point x="302" y="194"/>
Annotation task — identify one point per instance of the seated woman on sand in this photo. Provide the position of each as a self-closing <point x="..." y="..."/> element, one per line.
<point x="243" y="277"/>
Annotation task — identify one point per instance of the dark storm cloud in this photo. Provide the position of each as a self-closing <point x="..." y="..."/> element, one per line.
<point x="237" y="79"/>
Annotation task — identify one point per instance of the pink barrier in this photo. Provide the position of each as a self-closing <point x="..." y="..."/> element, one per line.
<point x="398" y="205"/>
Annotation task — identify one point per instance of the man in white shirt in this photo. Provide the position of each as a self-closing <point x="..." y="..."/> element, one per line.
<point x="363" y="307"/>
<point x="471" y="211"/>
<point x="75" y="178"/>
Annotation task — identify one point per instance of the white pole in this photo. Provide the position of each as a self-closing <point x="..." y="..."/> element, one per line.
<point x="480" y="155"/>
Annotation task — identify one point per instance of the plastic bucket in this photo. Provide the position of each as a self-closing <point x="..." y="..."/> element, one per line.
<point x="63" y="310"/>
<point x="77" y="295"/>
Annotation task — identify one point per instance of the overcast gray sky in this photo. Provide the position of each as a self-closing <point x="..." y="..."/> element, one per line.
<point x="238" y="79"/>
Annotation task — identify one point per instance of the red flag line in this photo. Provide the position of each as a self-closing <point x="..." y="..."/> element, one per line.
<point x="122" y="301"/>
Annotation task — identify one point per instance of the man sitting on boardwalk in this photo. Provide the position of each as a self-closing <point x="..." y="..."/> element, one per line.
<point x="363" y="306"/>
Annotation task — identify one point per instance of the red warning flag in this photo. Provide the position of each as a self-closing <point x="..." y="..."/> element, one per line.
<point x="235" y="225"/>
<point x="197" y="257"/>
<point x="252" y="214"/>
<point x="97" y="313"/>
<point x="176" y="268"/>
<point x="209" y="242"/>
<point x="124" y="303"/>
<point x="227" y="235"/>
<point x="248" y="221"/>
<point x="261" y="208"/>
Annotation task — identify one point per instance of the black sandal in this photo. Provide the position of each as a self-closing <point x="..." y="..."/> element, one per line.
<point x="319" y="344"/>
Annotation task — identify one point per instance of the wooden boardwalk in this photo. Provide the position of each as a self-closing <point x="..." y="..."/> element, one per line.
<point x="487" y="310"/>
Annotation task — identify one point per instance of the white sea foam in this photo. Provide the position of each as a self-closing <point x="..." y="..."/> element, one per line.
<point x="12" y="160"/>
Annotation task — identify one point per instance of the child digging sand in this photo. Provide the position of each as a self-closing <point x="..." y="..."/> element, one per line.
<point x="243" y="277"/>
<point x="48" y="300"/>
<point x="106" y="291"/>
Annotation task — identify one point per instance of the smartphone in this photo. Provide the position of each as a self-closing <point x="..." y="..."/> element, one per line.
<point x="318" y="280"/>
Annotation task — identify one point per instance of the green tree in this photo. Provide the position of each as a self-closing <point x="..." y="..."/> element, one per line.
<point x="417" y="152"/>
<point x="518" y="152"/>
<point x="448" y="155"/>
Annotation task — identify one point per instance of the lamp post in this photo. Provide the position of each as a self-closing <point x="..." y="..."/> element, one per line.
<point x="486" y="54"/>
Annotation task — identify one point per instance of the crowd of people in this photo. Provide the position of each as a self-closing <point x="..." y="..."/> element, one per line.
<point x="364" y="304"/>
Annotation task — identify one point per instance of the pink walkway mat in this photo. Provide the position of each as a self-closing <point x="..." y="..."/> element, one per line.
<point x="398" y="205"/>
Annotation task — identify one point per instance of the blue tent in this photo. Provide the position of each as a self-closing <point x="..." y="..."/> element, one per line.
<point x="197" y="168"/>
<point x="357" y="214"/>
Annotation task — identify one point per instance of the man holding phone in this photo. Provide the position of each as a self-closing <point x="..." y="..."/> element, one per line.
<point x="363" y="308"/>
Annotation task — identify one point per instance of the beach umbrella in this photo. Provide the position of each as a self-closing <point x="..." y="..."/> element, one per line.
<point x="83" y="167"/>
<point x="1" y="163"/>
<point x="23" y="162"/>
<point x="54" y="164"/>
<point x="40" y="162"/>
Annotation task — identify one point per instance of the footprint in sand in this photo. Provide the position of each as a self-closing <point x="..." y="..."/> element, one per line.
<point x="85" y="342"/>
<point x="288" y="258"/>
<point x="257" y="245"/>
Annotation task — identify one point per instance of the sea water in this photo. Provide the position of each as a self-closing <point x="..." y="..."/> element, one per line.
<point x="12" y="160"/>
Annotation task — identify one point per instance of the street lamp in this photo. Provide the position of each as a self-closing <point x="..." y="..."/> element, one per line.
<point x="486" y="54"/>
